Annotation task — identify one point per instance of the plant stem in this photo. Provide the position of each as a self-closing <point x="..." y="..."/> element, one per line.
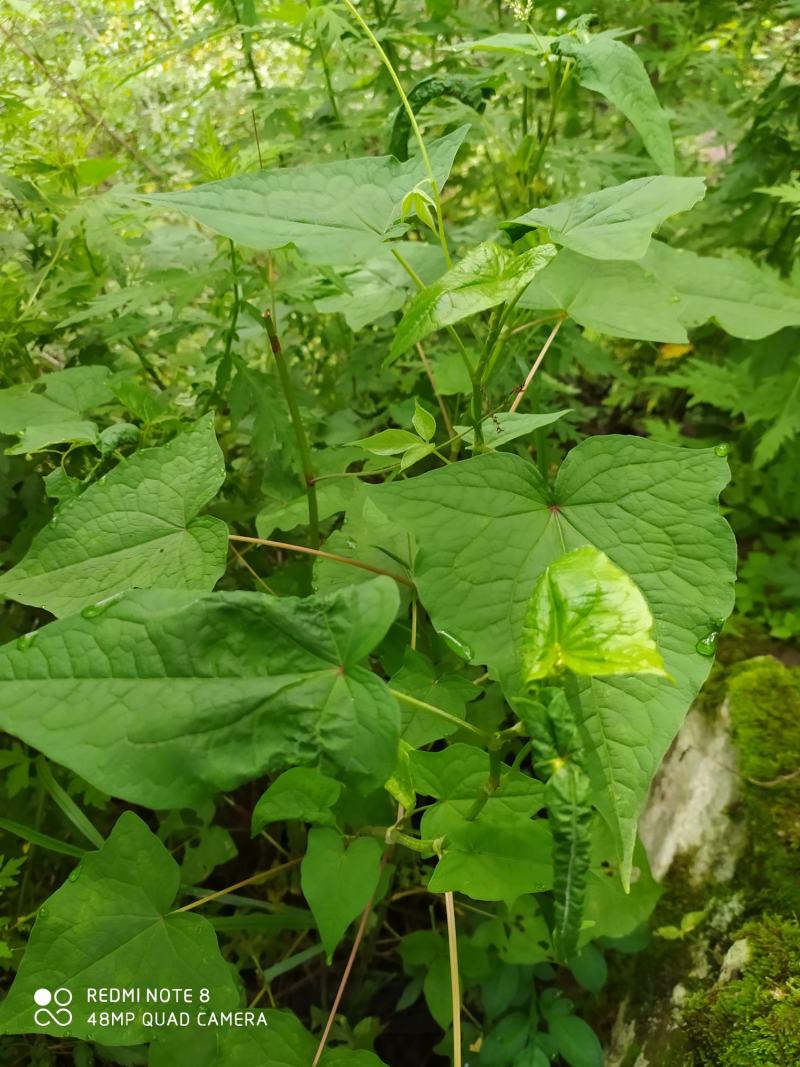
<point x="542" y="353"/>
<point x="226" y="362"/>
<point x="423" y="151"/>
<point x="299" y="432"/>
<point x="247" y="47"/>
<point x="420" y="284"/>
<point x="440" y="712"/>
<point x="262" y="876"/>
<point x="489" y="786"/>
<point x="442" y="406"/>
<point x="362" y="926"/>
<point x="555" y="97"/>
<point x="401" y="578"/>
<point x="455" y="988"/>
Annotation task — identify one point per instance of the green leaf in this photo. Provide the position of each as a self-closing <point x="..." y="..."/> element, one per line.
<point x="112" y="914"/>
<point x="333" y="496"/>
<point x="424" y="422"/>
<point x="381" y="285"/>
<point x="450" y="691"/>
<point x="485" y="277"/>
<point x="609" y="67"/>
<point x="299" y="793"/>
<point x="746" y="300"/>
<point x="338" y="883"/>
<point x="52" y="409"/>
<point x="614" y="297"/>
<point x="332" y="213"/>
<point x="507" y="426"/>
<point x="368" y="536"/>
<point x="165" y="698"/>
<point x="38" y="438"/>
<point x="282" y="1041"/>
<point x="389" y="442"/>
<point x="400" y="786"/>
<point x="576" y="1041"/>
<point x="490" y="860"/>
<point x="618" y="222"/>
<point x="608" y="910"/>
<point x="652" y="509"/>
<point x="513" y="44"/>
<point x="569" y="813"/>
<point x="588" y="617"/>
<point x="136" y="527"/>
<point x="456" y="776"/>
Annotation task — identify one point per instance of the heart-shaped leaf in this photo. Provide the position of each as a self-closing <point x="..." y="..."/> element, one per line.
<point x="338" y="882"/>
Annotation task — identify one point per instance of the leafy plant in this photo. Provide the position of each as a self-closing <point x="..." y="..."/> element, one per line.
<point x="360" y="515"/>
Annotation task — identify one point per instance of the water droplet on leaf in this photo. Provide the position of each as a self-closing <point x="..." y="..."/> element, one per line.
<point x="26" y="640"/>
<point x="91" y="611"/>
<point x="74" y="875"/>
<point x="722" y="449"/>
<point x="455" y="645"/>
<point x="707" y="645"/>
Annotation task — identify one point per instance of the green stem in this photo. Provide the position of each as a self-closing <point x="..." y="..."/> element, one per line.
<point x="420" y="284"/>
<point x="326" y="71"/>
<point x="392" y="836"/>
<point x="555" y="97"/>
<point x="226" y="362"/>
<point x="439" y="712"/>
<point x="303" y="447"/>
<point x="489" y="786"/>
<point x="423" y="151"/>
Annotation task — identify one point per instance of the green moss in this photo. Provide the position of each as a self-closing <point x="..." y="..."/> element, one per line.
<point x="764" y="706"/>
<point x="754" y="1019"/>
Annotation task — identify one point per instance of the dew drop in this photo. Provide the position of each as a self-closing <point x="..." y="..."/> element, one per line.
<point x="43" y="911"/>
<point x="722" y="449"/>
<point x="455" y="645"/>
<point x="707" y="645"/>
<point x="26" y="640"/>
<point x="91" y="611"/>
<point x="74" y="875"/>
<point x="674" y="299"/>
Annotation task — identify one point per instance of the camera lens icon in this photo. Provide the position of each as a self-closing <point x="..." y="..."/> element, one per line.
<point x="60" y="1015"/>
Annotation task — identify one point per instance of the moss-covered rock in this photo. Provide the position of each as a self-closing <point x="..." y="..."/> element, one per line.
<point x="755" y="1018"/>
<point x="726" y="992"/>
<point x="764" y="709"/>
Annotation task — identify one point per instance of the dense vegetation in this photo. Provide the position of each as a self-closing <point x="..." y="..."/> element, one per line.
<point x="384" y="390"/>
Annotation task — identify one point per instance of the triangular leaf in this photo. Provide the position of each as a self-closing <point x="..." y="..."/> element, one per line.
<point x="614" y="297"/>
<point x="52" y="409"/>
<point x="98" y="929"/>
<point x="489" y="860"/>
<point x="588" y="617"/>
<point x="165" y="698"/>
<point x="299" y="793"/>
<point x="137" y="527"/>
<point x="333" y="213"/>
<point x="484" y="278"/>
<point x="745" y="299"/>
<point x="617" y="222"/>
<point x="610" y="67"/>
<point x="652" y="509"/>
